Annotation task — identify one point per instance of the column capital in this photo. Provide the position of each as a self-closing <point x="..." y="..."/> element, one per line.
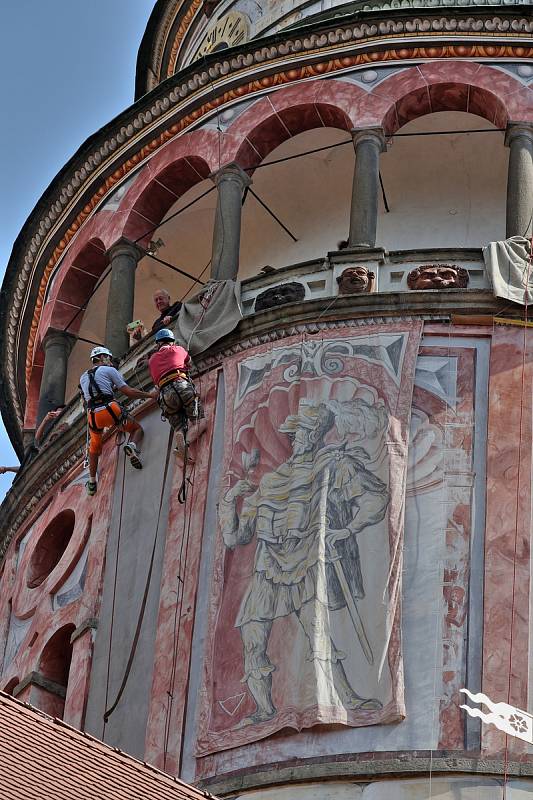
<point x="53" y="336"/>
<point x="124" y="247"/>
<point x="516" y="130"/>
<point x="375" y="135"/>
<point x="231" y="172"/>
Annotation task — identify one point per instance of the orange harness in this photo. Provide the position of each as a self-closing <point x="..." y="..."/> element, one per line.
<point x="172" y="376"/>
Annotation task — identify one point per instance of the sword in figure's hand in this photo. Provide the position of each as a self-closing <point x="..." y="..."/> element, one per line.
<point x="351" y="605"/>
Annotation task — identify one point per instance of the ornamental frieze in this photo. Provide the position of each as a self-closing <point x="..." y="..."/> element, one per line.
<point x="379" y="5"/>
<point x="198" y="18"/>
<point x="186" y="98"/>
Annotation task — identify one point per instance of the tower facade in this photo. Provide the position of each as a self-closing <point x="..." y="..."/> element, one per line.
<point x="341" y="194"/>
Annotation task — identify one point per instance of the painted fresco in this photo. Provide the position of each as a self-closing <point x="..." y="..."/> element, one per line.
<point x="303" y="630"/>
<point x="436" y="575"/>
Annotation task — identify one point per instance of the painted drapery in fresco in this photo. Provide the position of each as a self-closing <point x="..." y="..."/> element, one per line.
<point x="304" y="619"/>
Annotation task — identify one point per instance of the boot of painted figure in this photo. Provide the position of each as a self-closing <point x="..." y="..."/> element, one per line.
<point x="261" y="691"/>
<point x="347" y="696"/>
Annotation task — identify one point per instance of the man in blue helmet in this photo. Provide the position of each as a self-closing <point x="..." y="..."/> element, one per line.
<point x="169" y="367"/>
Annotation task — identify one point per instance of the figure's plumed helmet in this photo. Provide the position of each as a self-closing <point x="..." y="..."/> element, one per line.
<point x="306" y="418"/>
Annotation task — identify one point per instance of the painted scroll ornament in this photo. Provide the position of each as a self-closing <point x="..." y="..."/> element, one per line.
<point x="506" y="718"/>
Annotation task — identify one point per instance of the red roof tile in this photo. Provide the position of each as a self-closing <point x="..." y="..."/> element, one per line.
<point x="42" y="758"/>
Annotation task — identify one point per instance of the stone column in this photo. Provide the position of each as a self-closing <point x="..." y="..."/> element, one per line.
<point x="57" y="346"/>
<point x="123" y="257"/>
<point x="519" y="140"/>
<point x="231" y="181"/>
<point x="368" y="144"/>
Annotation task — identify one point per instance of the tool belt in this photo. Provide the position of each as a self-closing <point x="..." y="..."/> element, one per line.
<point x="172" y="376"/>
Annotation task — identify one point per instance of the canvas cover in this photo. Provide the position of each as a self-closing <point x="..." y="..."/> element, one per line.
<point x="304" y="616"/>
<point x="208" y="316"/>
<point x="509" y="269"/>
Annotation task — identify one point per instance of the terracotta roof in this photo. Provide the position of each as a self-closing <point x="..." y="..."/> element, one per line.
<point x="43" y="758"/>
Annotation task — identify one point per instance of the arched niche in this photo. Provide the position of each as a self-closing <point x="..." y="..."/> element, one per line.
<point x="53" y="669"/>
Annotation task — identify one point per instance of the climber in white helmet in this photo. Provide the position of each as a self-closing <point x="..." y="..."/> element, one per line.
<point x="98" y="386"/>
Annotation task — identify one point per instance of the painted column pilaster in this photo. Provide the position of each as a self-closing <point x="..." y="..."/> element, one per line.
<point x="368" y="144"/>
<point x="57" y="346"/>
<point x="519" y="140"/>
<point x="231" y="181"/>
<point x="123" y="256"/>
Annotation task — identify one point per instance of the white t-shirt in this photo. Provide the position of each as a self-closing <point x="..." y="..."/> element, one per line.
<point x="107" y="379"/>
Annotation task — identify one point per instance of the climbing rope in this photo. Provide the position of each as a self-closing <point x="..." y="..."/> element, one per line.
<point x="110" y="648"/>
<point x="180" y="577"/>
<point x="140" y="617"/>
<point x="182" y="493"/>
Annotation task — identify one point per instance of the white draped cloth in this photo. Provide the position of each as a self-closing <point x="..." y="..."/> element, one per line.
<point x="508" y="265"/>
<point x="210" y="315"/>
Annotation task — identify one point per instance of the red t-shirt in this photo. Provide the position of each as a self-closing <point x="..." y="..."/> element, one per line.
<point x="169" y="357"/>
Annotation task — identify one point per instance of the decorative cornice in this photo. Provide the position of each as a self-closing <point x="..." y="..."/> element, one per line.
<point x="352" y="311"/>
<point x="180" y="103"/>
<point x="180" y="34"/>
<point x="420" y="5"/>
<point x="364" y="767"/>
<point x="334" y="15"/>
<point x="155" y="39"/>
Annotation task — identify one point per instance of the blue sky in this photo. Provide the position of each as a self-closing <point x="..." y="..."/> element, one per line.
<point x="68" y="67"/>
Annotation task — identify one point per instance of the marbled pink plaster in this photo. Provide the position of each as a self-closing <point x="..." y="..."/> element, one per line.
<point x="296" y="94"/>
<point x="451" y="86"/>
<point x="458" y="473"/>
<point x="92" y="521"/>
<point x="508" y="528"/>
<point x="416" y="104"/>
<point x="400" y="83"/>
<point x="444" y="96"/>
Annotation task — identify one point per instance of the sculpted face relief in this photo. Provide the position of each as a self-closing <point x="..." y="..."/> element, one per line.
<point x="356" y="280"/>
<point x="279" y="295"/>
<point x="438" y="276"/>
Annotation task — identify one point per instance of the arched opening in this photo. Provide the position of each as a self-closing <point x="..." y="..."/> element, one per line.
<point x="54" y="663"/>
<point x="455" y="183"/>
<point x="54" y="666"/>
<point x="50" y="548"/>
<point x="68" y="310"/>
<point x="184" y="241"/>
<point x="77" y="285"/>
<point x="309" y="194"/>
<point x="158" y="197"/>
